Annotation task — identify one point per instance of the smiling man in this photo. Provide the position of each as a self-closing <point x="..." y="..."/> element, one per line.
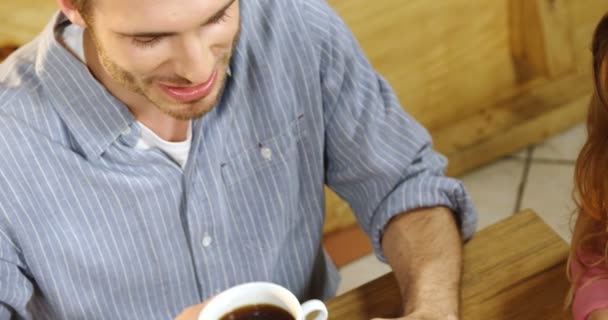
<point x="154" y="153"/>
<point x="167" y="69"/>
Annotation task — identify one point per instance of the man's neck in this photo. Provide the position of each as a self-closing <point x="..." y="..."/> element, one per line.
<point x="165" y="126"/>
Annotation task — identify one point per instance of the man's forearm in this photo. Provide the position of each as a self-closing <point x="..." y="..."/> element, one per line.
<point x="424" y="249"/>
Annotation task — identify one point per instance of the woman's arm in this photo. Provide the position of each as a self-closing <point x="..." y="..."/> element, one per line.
<point x="589" y="278"/>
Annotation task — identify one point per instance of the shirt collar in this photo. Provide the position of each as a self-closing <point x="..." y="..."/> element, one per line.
<point x="94" y="117"/>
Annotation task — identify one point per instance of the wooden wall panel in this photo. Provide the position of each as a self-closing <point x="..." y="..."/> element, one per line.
<point x="437" y="55"/>
<point x="585" y="16"/>
<point x="21" y="20"/>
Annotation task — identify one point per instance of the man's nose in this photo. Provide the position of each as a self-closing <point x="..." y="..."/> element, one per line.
<point x="194" y="60"/>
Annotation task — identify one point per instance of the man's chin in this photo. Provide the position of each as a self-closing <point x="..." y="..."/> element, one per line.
<point x="186" y="111"/>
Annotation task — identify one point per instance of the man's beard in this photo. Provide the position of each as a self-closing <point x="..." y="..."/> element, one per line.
<point x="143" y="86"/>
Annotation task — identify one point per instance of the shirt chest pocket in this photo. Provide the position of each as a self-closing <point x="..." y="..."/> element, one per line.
<point x="262" y="182"/>
<point x="263" y="157"/>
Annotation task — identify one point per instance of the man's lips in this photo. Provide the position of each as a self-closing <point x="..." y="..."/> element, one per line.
<point x="186" y="94"/>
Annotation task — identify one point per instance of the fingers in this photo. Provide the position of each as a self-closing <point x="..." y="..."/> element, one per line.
<point x="191" y="313"/>
<point x="421" y="317"/>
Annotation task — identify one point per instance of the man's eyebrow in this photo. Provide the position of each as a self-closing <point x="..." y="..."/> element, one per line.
<point x="167" y="34"/>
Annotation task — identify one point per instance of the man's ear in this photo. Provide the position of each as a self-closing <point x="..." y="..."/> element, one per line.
<point x="71" y="12"/>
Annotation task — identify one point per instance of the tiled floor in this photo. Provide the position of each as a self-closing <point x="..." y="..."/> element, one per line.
<point x="539" y="178"/>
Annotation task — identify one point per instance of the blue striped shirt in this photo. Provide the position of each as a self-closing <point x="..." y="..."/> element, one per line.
<point x="93" y="228"/>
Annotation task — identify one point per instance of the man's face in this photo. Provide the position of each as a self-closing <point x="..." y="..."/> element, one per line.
<point x="174" y="53"/>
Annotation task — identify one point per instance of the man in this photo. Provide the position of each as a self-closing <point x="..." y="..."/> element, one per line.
<point x="155" y="153"/>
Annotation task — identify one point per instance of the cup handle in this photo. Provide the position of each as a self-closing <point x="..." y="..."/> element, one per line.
<point x="314" y="305"/>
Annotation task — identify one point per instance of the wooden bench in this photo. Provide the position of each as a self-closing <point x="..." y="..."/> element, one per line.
<point x="513" y="270"/>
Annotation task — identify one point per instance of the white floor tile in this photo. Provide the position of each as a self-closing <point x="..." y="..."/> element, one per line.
<point x="361" y="271"/>
<point x="564" y="146"/>
<point x="548" y="192"/>
<point x="494" y="189"/>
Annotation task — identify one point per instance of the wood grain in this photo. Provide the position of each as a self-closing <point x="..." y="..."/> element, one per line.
<point x="541" y="38"/>
<point x="513" y="270"/>
<point x="22" y="20"/>
<point x="445" y="59"/>
<point x="542" y="109"/>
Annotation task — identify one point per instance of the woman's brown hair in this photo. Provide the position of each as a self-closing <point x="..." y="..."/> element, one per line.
<point x="591" y="170"/>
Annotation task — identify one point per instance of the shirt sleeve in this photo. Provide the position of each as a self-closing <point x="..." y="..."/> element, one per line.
<point x="15" y="288"/>
<point x="378" y="158"/>
<point x="588" y="296"/>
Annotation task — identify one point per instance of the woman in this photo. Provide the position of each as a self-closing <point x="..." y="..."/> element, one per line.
<point x="588" y="257"/>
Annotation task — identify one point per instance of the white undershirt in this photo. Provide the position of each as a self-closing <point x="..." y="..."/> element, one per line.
<point x="178" y="151"/>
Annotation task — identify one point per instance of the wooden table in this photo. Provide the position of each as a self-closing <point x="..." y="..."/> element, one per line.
<point x="515" y="269"/>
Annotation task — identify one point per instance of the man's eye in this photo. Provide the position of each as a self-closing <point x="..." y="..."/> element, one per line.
<point x="146" y="42"/>
<point x="220" y="17"/>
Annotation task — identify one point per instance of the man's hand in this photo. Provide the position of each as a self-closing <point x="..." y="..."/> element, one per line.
<point x="600" y="314"/>
<point x="192" y="312"/>
<point x="424" y="315"/>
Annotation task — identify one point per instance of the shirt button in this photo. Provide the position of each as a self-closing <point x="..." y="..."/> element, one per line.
<point x="207" y="241"/>
<point x="266" y="153"/>
<point x="126" y="131"/>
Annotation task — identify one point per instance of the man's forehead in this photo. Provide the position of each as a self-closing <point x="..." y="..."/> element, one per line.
<point x="169" y="11"/>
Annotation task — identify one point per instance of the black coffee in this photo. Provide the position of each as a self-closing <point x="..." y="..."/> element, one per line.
<point x="258" y="312"/>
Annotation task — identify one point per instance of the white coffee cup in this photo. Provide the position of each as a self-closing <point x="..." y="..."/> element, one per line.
<point x="255" y="293"/>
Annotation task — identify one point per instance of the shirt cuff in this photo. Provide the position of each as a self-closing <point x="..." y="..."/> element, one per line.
<point x="426" y="192"/>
